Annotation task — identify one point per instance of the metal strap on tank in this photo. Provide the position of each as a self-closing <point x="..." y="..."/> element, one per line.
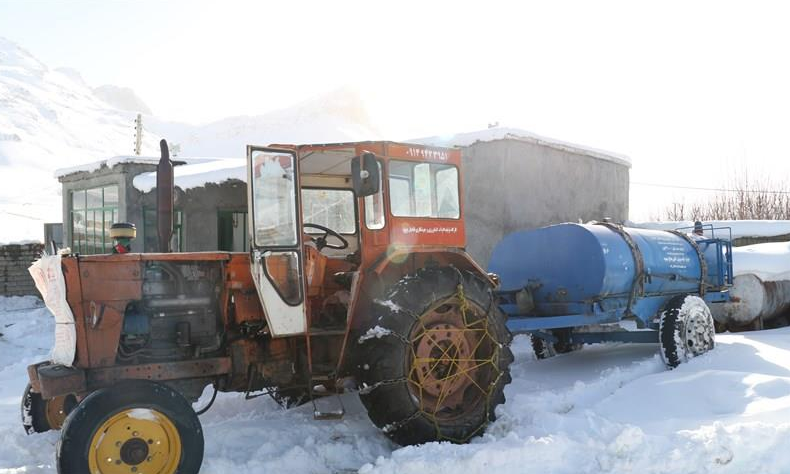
<point x="703" y="264"/>
<point x="637" y="286"/>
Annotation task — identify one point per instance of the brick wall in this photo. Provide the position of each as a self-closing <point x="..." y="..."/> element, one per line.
<point x="15" y="259"/>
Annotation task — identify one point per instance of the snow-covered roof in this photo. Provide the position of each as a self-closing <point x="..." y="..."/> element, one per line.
<point x="746" y="228"/>
<point x="198" y="173"/>
<point x="769" y="261"/>
<point x="507" y="133"/>
<point x="117" y="160"/>
<point x="109" y="163"/>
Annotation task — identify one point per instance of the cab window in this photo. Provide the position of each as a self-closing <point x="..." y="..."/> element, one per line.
<point x="332" y="208"/>
<point x="423" y="190"/>
<point x="274" y="199"/>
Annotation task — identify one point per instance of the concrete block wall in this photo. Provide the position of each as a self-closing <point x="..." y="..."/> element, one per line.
<point x="511" y="185"/>
<point x="15" y="259"/>
<point x="742" y="241"/>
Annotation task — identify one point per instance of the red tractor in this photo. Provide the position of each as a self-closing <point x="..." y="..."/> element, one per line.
<point x="357" y="279"/>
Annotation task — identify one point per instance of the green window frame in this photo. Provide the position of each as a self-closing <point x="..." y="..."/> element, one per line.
<point x="92" y="212"/>
<point x="151" y="234"/>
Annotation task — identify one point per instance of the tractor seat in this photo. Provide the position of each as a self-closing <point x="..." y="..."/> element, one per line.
<point x="343" y="279"/>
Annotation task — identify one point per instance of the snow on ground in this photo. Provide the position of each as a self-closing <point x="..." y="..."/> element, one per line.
<point x="608" y="408"/>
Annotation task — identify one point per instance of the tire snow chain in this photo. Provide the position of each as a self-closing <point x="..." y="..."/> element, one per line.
<point x="367" y="389"/>
<point x="394" y="426"/>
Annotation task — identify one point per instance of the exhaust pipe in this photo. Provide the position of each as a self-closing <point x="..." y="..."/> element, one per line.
<point x="164" y="198"/>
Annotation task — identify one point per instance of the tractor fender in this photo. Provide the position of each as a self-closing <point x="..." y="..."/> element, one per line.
<point x="401" y="261"/>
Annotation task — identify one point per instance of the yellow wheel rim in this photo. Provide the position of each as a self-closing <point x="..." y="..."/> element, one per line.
<point x="55" y="412"/>
<point x="138" y="440"/>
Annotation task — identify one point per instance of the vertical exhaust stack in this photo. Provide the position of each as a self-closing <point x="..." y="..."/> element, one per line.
<point x="164" y="198"/>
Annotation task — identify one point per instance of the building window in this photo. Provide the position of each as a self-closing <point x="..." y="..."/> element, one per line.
<point x="151" y="233"/>
<point x="93" y="211"/>
<point x="232" y="231"/>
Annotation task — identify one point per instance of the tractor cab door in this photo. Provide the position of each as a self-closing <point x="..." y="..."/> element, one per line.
<point x="276" y="237"/>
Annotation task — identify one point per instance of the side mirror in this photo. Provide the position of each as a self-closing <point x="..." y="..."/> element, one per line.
<point x="365" y="175"/>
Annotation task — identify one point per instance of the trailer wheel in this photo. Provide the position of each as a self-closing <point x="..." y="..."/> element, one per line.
<point x="133" y="426"/>
<point x="686" y="329"/>
<point x="40" y="415"/>
<point x="544" y="349"/>
<point x="435" y="359"/>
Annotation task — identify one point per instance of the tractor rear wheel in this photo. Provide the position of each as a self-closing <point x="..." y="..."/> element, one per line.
<point x="435" y="359"/>
<point x="40" y="415"/>
<point x="686" y="329"/>
<point x="133" y="426"/>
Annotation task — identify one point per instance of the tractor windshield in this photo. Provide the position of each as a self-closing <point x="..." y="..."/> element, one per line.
<point x="333" y="208"/>
<point x="423" y="190"/>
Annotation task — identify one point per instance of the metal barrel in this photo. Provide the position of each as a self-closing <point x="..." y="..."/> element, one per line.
<point x="752" y="299"/>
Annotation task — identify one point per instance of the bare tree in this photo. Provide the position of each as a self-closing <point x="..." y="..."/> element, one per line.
<point x="742" y="199"/>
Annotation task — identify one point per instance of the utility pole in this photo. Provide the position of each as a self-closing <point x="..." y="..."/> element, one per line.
<point x="138" y="134"/>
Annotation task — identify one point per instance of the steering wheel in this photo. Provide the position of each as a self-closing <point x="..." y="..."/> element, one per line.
<point x="320" y="242"/>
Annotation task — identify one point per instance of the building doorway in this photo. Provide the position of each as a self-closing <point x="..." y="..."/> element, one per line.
<point x="232" y="231"/>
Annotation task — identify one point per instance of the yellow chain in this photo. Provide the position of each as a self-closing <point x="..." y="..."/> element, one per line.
<point x="414" y="377"/>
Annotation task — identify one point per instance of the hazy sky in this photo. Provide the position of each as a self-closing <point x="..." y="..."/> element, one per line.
<point x="691" y="91"/>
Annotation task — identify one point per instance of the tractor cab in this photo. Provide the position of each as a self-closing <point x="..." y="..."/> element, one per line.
<point x="321" y="213"/>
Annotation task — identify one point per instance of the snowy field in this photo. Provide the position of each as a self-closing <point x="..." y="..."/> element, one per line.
<point x="607" y="408"/>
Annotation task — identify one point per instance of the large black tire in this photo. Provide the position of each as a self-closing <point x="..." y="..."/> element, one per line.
<point x="438" y="330"/>
<point x="155" y="415"/>
<point x="40" y="415"/>
<point x="686" y="329"/>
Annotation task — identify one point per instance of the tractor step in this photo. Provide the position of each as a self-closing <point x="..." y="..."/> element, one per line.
<point x="325" y="409"/>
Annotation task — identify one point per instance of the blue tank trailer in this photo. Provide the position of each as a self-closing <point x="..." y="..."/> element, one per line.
<point x="564" y="284"/>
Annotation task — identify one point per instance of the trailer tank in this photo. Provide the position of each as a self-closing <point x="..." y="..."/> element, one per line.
<point x="605" y="271"/>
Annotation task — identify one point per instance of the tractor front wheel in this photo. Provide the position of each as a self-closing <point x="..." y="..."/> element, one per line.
<point x="435" y="359"/>
<point x="134" y="426"/>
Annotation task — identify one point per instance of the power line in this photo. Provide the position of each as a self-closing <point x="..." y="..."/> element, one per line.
<point x="723" y="190"/>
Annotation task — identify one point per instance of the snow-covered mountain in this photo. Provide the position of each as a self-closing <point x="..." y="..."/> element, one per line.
<point x="337" y="116"/>
<point x="122" y="98"/>
<point x="50" y="118"/>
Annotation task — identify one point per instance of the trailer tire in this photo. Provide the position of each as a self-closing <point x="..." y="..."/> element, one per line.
<point x="434" y="361"/>
<point x="686" y="329"/>
<point x="40" y="415"/>
<point x="130" y="424"/>
<point x="545" y="350"/>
